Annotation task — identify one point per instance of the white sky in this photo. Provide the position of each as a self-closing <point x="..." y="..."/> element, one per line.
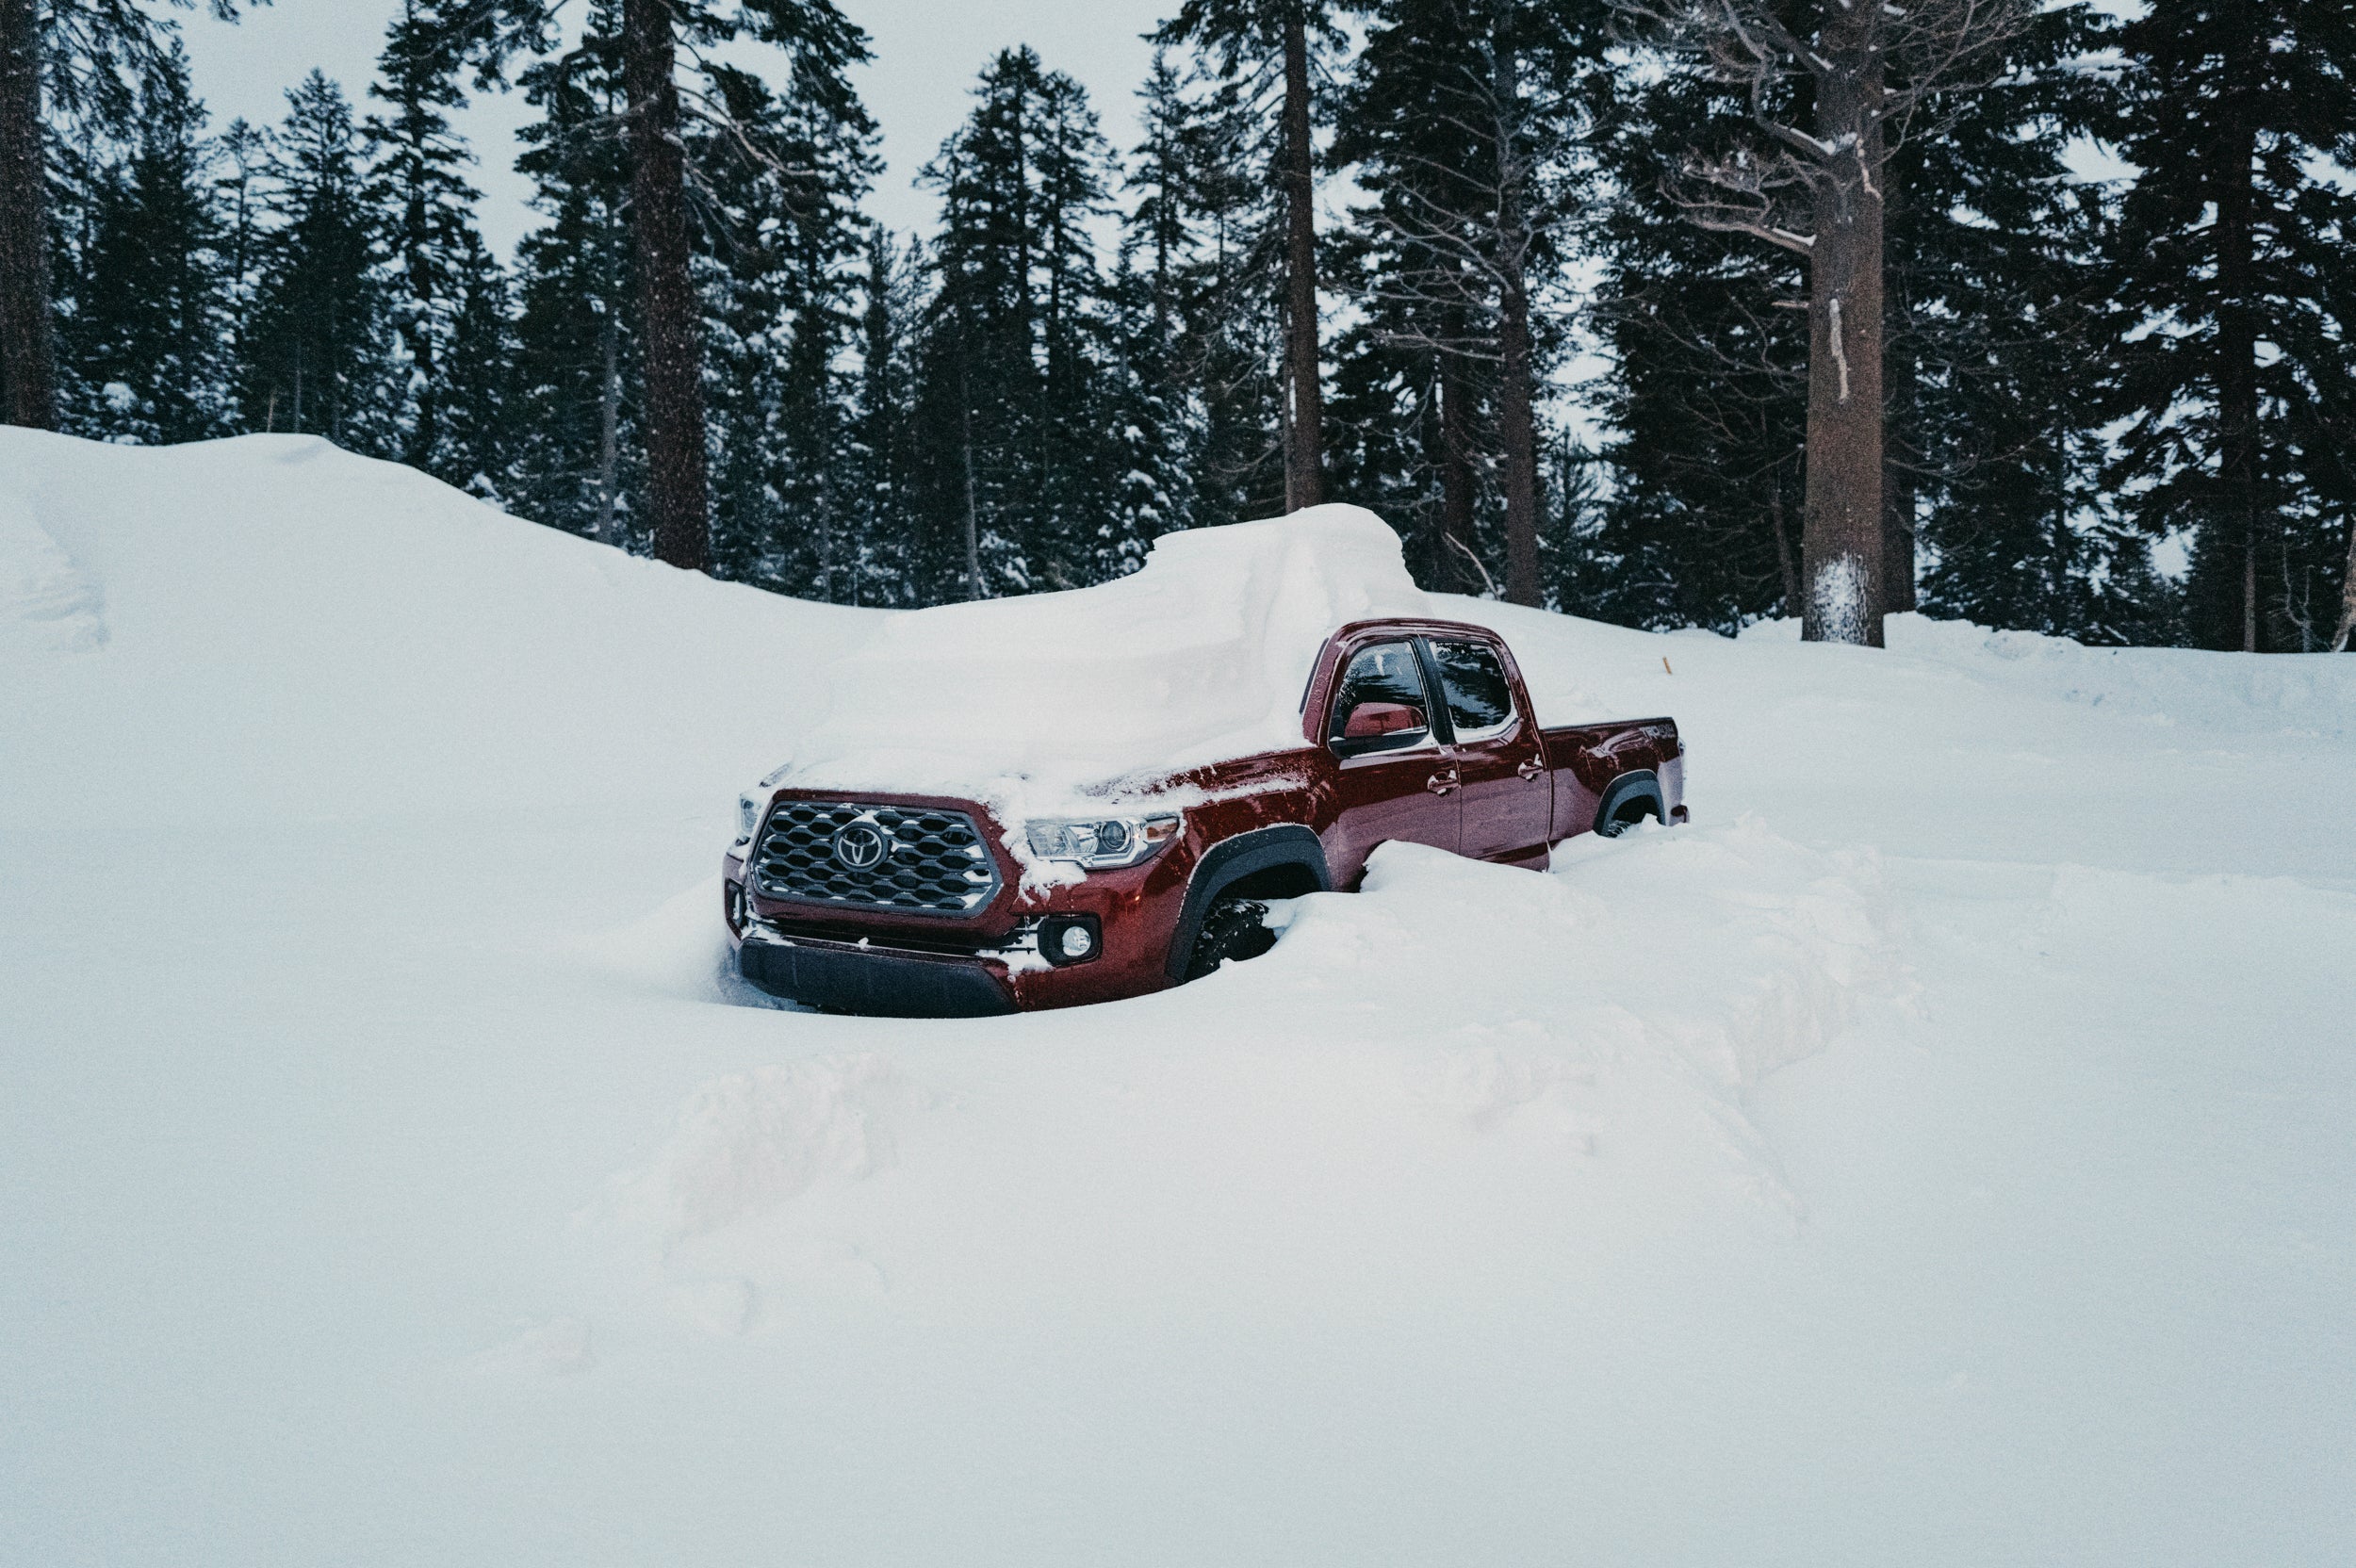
<point x="927" y="54"/>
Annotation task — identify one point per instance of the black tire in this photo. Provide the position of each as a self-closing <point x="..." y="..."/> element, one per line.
<point x="1627" y="817"/>
<point x="1233" y="928"/>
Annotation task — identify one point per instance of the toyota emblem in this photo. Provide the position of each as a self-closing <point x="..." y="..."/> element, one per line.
<point x="860" y="847"/>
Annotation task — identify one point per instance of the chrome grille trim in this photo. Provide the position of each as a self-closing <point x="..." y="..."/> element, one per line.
<point x="935" y="861"/>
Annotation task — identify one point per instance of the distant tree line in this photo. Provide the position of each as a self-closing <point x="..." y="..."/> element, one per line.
<point x="1570" y="292"/>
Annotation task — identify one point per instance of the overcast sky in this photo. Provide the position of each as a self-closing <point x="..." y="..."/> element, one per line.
<point x="927" y="53"/>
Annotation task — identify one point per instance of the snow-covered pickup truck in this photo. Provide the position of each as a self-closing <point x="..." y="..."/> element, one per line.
<point x="874" y="901"/>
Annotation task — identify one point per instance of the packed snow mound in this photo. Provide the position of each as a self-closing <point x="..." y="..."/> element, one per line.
<point x="269" y="627"/>
<point x="1202" y="655"/>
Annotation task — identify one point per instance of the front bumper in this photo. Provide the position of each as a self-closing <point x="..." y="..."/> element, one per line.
<point x="854" y="977"/>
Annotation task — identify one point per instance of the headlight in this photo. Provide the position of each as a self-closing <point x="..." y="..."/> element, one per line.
<point x="1100" y="844"/>
<point x="749" y="803"/>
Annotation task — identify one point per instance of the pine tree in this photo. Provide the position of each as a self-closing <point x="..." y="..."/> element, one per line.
<point x="1460" y="121"/>
<point x="1210" y="247"/>
<point x="318" y="359"/>
<point x="1993" y="341"/>
<point x="1159" y="432"/>
<point x="239" y="192"/>
<point x="1831" y="90"/>
<point x="426" y="208"/>
<point x="1267" y="51"/>
<point x="822" y="46"/>
<point x="71" y="65"/>
<point x="2230" y="273"/>
<point x="575" y="452"/>
<point x="477" y="394"/>
<point x="1010" y="370"/>
<point x="145" y="350"/>
<point x="880" y="529"/>
<point x="781" y="238"/>
<point x="1706" y="399"/>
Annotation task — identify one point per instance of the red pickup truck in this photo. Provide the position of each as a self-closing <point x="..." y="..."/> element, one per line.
<point x="920" y="905"/>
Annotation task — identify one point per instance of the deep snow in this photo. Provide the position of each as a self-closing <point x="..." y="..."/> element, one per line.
<point x="1200" y="656"/>
<point x="1938" y="1153"/>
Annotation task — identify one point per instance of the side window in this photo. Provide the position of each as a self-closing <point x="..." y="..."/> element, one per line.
<point x="1380" y="704"/>
<point x="1480" y="700"/>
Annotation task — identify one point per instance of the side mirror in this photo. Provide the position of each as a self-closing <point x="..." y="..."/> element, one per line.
<point x="1372" y="720"/>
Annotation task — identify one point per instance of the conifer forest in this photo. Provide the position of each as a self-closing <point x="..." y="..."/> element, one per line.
<point x="1663" y="312"/>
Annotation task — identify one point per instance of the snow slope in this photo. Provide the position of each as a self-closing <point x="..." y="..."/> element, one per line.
<point x="1940" y="1153"/>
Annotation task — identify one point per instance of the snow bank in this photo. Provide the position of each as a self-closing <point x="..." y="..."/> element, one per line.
<point x="269" y="627"/>
<point x="1203" y="655"/>
<point x="1936" y="1155"/>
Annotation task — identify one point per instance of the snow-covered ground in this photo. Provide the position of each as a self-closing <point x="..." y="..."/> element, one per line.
<point x="1944" y="1152"/>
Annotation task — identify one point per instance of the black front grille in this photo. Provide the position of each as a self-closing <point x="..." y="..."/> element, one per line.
<point x="925" y="861"/>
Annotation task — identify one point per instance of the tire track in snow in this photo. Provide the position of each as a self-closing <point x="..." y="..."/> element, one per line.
<point x="1412" y="1047"/>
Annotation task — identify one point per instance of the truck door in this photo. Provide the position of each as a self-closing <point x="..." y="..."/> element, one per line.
<point x="1506" y="795"/>
<point x="1391" y="778"/>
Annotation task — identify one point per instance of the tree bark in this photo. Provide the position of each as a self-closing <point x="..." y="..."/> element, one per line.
<point x="1456" y="479"/>
<point x="28" y="363"/>
<point x="1517" y="427"/>
<point x="2348" y="594"/>
<point x="972" y="503"/>
<point x="426" y="435"/>
<point x="1304" y="403"/>
<point x="1900" y="438"/>
<point x="1518" y="431"/>
<point x="1840" y="540"/>
<point x="1784" y="563"/>
<point x="2237" y="369"/>
<point x="608" y="427"/>
<point x="677" y="487"/>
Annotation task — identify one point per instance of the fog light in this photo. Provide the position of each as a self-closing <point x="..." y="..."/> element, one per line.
<point x="1066" y="940"/>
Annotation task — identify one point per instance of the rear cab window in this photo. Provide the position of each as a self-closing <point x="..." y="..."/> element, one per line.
<point x="1472" y="678"/>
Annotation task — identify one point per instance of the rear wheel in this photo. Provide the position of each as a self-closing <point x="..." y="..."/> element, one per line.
<point x="1235" y="928"/>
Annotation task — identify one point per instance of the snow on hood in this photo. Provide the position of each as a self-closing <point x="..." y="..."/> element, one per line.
<point x="1038" y="703"/>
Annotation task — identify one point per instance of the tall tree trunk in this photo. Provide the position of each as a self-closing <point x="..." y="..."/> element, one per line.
<point x="608" y="427"/>
<point x="1449" y="560"/>
<point x="28" y="361"/>
<point x="1840" y="540"/>
<point x="2347" y="592"/>
<point x="2237" y="367"/>
<point x="1517" y="427"/>
<point x="1304" y="402"/>
<point x="973" y="501"/>
<point x="1901" y="437"/>
<point x="426" y="435"/>
<point x="677" y="491"/>
<point x="1785" y="564"/>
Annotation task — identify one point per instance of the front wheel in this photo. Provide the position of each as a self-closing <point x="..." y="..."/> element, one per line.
<point x="1235" y="928"/>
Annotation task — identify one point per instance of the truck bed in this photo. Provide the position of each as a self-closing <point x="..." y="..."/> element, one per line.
<point x="1585" y="758"/>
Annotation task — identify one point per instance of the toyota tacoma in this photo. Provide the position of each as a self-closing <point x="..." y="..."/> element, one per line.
<point x="875" y="901"/>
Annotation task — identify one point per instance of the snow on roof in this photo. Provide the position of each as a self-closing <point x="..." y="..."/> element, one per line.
<point x="1200" y="656"/>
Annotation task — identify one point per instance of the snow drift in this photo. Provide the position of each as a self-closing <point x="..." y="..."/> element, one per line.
<point x="1199" y="656"/>
<point x="1936" y="1155"/>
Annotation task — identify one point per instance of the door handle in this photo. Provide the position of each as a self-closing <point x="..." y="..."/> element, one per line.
<point x="1532" y="768"/>
<point x="1443" y="781"/>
